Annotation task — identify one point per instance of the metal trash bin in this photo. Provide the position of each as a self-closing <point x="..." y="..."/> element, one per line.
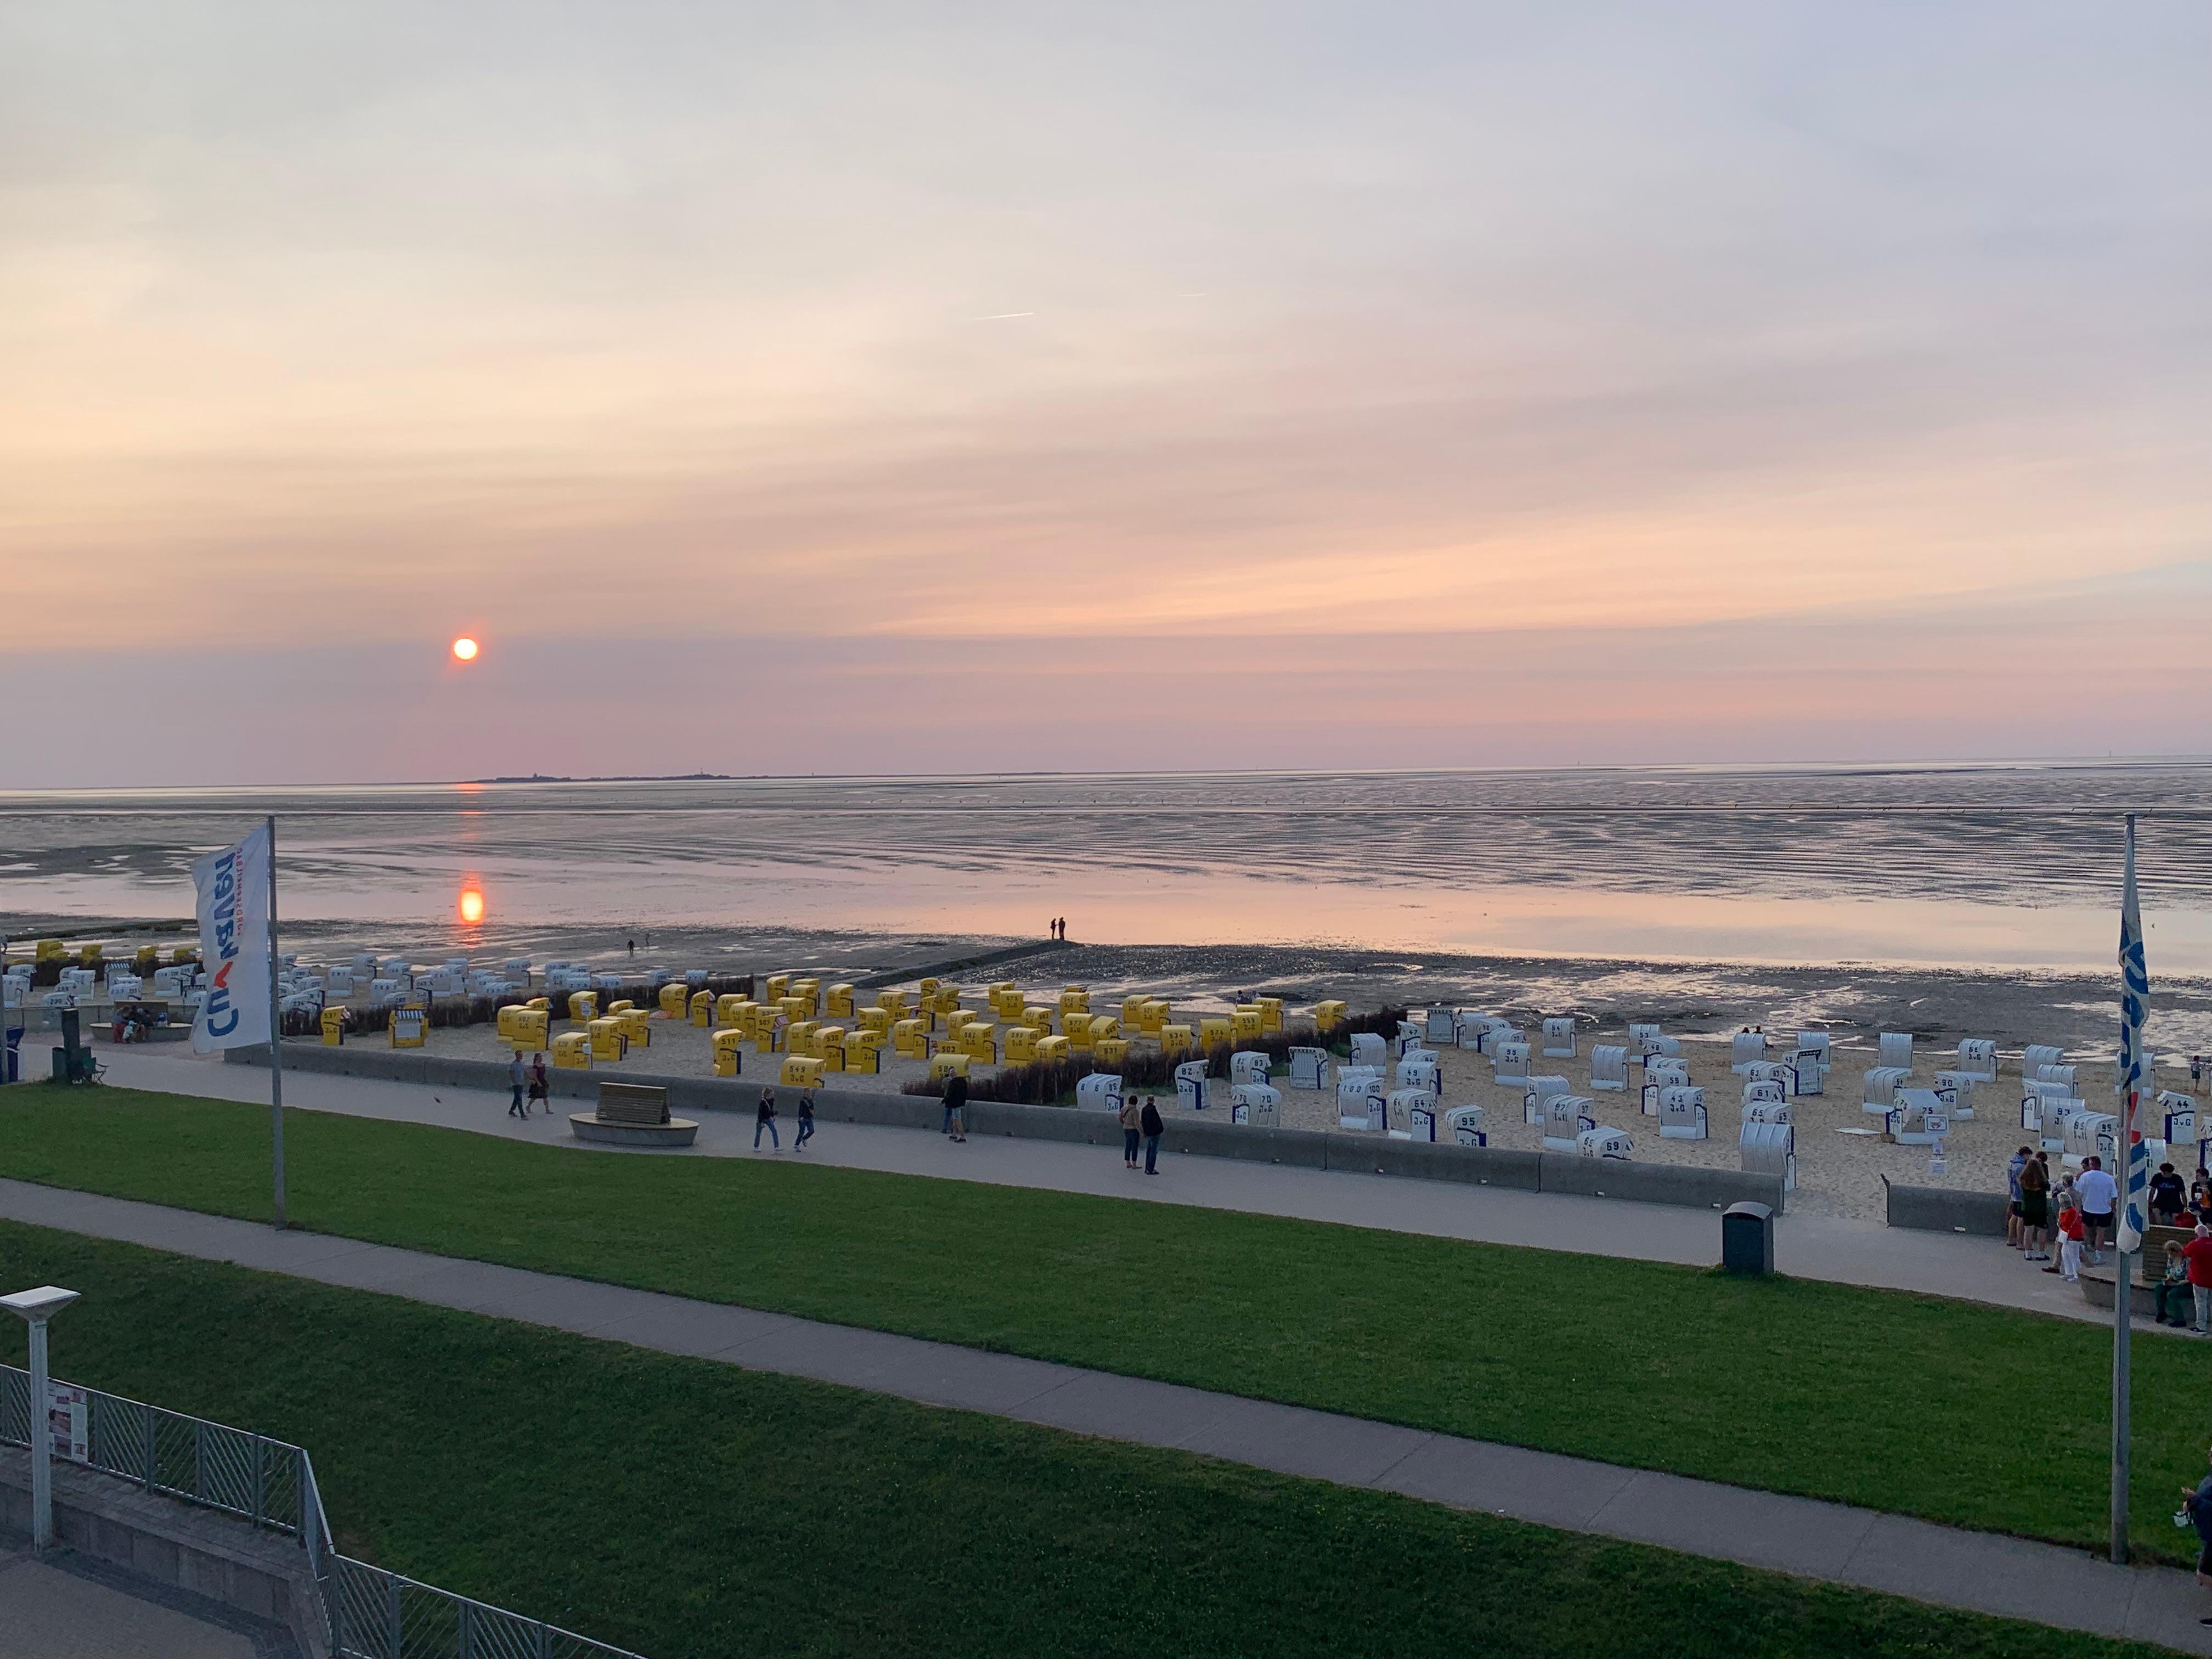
<point x="1747" y="1238"/>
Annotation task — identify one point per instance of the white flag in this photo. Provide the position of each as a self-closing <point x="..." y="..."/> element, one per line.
<point x="233" y="886"/>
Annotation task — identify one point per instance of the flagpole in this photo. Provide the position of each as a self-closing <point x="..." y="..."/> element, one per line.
<point x="2135" y="988"/>
<point x="276" y="1043"/>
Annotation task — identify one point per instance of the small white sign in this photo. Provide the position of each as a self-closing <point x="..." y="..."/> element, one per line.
<point x="69" y="1414"/>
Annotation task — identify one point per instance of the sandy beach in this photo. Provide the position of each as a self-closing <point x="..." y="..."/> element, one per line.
<point x="1840" y="1167"/>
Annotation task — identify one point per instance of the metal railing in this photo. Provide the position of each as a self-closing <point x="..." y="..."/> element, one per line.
<point x="370" y="1613"/>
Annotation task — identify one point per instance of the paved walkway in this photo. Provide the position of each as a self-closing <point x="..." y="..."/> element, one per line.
<point x="62" y="1607"/>
<point x="1806" y="1247"/>
<point x="1833" y="1542"/>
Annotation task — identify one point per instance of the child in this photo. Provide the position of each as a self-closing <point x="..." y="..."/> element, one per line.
<point x="2069" y="1242"/>
<point x="2173" y="1291"/>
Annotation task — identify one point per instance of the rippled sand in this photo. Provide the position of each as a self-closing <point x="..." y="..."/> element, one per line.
<point x="2015" y="865"/>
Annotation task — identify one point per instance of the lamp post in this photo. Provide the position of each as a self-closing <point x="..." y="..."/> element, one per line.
<point x="37" y="1307"/>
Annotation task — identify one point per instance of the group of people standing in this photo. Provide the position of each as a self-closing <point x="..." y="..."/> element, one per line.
<point x="2077" y="1212"/>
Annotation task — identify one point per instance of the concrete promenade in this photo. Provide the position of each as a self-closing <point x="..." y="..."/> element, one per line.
<point x="1831" y="1542"/>
<point x="1806" y="1246"/>
<point x="61" y="1607"/>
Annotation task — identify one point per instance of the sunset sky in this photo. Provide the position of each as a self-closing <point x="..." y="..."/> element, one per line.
<point x="873" y="387"/>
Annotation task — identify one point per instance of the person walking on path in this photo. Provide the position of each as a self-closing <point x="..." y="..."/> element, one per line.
<point x="2196" y="1503"/>
<point x="2098" y="1191"/>
<point x="956" y="1108"/>
<point x="805" y="1120"/>
<point x="516" y="1077"/>
<point x="2198" y="1253"/>
<point x="766" y="1120"/>
<point x="1133" y="1118"/>
<point x="1149" y="1121"/>
<point x="540" y="1086"/>
<point x="2034" y="1209"/>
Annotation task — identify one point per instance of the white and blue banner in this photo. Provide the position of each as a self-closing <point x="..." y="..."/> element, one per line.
<point x="233" y="889"/>
<point x="2135" y="1001"/>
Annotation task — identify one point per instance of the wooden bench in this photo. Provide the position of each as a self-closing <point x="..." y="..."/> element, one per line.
<point x="633" y="1114"/>
<point x="645" y="1105"/>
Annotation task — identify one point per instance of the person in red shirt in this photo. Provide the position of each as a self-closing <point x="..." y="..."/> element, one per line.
<point x="2197" y="1253"/>
<point x="2070" y="1228"/>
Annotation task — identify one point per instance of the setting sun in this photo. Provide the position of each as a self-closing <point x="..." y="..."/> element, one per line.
<point x="472" y="906"/>
<point x="465" y="648"/>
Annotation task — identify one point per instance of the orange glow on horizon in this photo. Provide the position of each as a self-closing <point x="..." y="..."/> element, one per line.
<point x="464" y="648"/>
<point x="471" y="905"/>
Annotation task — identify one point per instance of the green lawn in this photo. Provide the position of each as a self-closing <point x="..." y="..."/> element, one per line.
<point x="1977" y="1416"/>
<point x="686" y="1508"/>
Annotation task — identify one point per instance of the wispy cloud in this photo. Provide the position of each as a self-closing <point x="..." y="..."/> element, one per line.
<point x="342" y="324"/>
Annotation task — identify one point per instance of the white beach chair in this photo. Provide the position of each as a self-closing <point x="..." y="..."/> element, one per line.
<point x="1641" y="1037"/>
<point x="1660" y="1074"/>
<point x="1559" y="1039"/>
<point x="1897" y="1050"/>
<point x="1361" y="1102"/>
<point x="2091" y="1134"/>
<point x="1779" y="1072"/>
<point x="1100" y="1091"/>
<point x="1190" y="1085"/>
<point x="1977" y="1059"/>
<point x="1508" y="1064"/>
<point x="1682" y="1114"/>
<point x="2036" y="1056"/>
<point x="1608" y="1068"/>
<point x="1309" y="1068"/>
<point x="1466" y="1125"/>
<point x="1399" y="1107"/>
<point x="1420" y="1072"/>
<point x="1368" y="1048"/>
<point x="1747" y="1048"/>
<point x="1918" y="1119"/>
<point x="1770" y="1148"/>
<point x="1810" y="1062"/>
<point x="1882" y="1083"/>
<point x="1540" y="1089"/>
<point x="1603" y="1143"/>
<point x="2179" y="1114"/>
<point x="1956" y="1091"/>
<point x="1565" y="1117"/>
<point x="1256" y="1105"/>
<point x="1442" y="1026"/>
<point x="1248" y="1065"/>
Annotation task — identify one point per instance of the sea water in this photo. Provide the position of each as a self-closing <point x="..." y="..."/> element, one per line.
<point x="1989" y="866"/>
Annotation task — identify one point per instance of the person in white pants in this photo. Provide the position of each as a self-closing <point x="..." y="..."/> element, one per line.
<point x="2070" y="1238"/>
